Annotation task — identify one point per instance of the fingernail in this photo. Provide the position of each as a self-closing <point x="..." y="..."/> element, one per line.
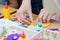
<point x="29" y="23"/>
<point x="48" y="21"/>
<point x="44" y="21"/>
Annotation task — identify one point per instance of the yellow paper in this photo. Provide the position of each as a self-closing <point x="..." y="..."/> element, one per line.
<point x="45" y="24"/>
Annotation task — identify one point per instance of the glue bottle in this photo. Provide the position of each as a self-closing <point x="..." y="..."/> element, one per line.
<point x="23" y="37"/>
<point x="6" y="11"/>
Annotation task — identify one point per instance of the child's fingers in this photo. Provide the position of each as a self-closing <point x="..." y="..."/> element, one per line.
<point x="46" y="14"/>
<point x="26" y="21"/>
<point x="49" y="17"/>
<point x="44" y="18"/>
<point x="41" y="15"/>
<point x="20" y="14"/>
<point x="30" y="15"/>
<point x="23" y="18"/>
<point x="19" y="19"/>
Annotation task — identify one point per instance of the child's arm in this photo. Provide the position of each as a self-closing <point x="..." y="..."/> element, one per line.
<point x="13" y="3"/>
<point x="25" y="7"/>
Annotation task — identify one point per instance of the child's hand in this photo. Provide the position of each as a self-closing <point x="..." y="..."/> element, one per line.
<point x="45" y="16"/>
<point x="25" y="7"/>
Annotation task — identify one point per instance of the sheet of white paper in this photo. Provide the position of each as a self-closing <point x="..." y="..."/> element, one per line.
<point x="7" y="24"/>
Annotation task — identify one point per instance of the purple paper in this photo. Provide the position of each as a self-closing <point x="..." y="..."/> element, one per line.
<point x="11" y="36"/>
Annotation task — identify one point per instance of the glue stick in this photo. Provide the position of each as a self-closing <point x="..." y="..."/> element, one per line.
<point x="6" y="11"/>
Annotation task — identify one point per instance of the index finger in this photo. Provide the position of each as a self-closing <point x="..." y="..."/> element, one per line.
<point x="30" y="15"/>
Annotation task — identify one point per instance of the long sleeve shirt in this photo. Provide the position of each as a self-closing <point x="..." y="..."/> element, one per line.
<point x="36" y="6"/>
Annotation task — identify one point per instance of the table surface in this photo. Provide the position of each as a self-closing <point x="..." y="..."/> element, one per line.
<point x="53" y="24"/>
